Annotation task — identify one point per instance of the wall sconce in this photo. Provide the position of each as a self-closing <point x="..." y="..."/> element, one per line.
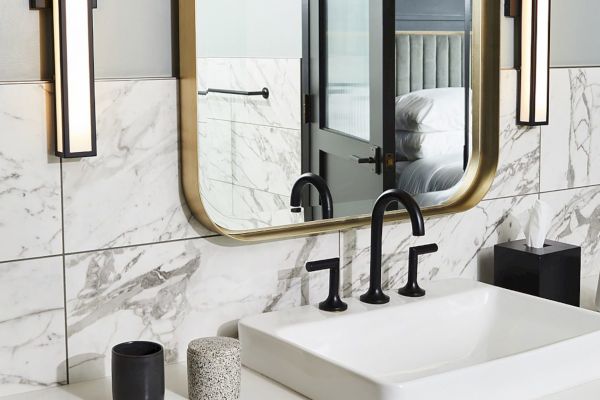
<point x="534" y="75"/>
<point x="73" y="76"/>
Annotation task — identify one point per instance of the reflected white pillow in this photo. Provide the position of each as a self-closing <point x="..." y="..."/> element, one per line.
<point x="412" y="146"/>
<point x="431" y="110"/>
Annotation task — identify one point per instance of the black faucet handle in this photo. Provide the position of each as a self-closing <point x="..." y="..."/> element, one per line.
<point x="333" y="303"/>
<point x="412" y="288"/>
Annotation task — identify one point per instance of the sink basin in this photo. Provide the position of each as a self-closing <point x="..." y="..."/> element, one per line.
<point x="463" y="340"/>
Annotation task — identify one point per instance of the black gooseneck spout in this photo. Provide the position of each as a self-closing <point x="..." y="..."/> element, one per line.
<point x="321" y="186"/>
<point x="375" y="294"/>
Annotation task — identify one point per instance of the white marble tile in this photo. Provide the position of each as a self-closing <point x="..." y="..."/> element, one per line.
<point x="30" y="225"/>
<point x="282" y="77"/>
<point x="214" y="150"/>
<point x="266" y="158"/>
<point x="32" y="325"/>
<point x="217" y="198"/>
<point x="571" y="142"/>
<point x="130" y="193"/>
<point x="519" y="160"/>
<point x="465" y="242"/>
<point x="263" y="209"/>
<point x="214" y="73"/>
<point x="577" y="222"/>
<point x="175" y="292"/>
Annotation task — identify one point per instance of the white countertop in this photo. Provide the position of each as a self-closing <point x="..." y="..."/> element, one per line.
<point x="254" y="387"/>
<point x="258" y="387"/>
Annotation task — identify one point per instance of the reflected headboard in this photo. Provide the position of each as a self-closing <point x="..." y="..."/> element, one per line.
<point x="427" y="60"/>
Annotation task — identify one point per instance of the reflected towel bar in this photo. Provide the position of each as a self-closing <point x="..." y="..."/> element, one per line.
<point x="264" y="92"/>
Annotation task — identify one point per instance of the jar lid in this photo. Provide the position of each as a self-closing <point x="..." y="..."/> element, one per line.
<point x="214" y="346"/>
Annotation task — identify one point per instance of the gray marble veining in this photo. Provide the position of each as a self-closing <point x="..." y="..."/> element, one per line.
<point x="266" y="158"/>
<point x="215" y="150"/>
<point x="30" y="224"/>
<point x="282" y="77"/>
<point x="32" y="325"/>
<point x="571" y="142"/>
<point x="465" y="245"/>
<point x="519" y="161"/>
<point x="175" y="292"/>
<point x="130" y="193"/>
<point x="577" y="221"/>
<point x="250" y="142"/>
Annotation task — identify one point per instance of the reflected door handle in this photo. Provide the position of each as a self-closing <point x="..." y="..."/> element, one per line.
<point x="374" y="159"/>
<point x="364" y="160"/>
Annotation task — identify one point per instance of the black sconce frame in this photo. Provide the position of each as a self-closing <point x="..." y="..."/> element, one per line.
<point x="512" y="8"/>
<point x="65" y="151"/>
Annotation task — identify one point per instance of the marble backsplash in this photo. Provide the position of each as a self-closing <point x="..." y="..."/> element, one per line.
<point x="252" y="146"/>
<point x="102" y="250"/>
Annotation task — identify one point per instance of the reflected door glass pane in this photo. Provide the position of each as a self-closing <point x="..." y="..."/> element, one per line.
<point x="347" y="66"/>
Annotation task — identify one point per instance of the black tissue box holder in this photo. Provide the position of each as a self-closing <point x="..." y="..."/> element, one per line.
<point x="553" y="272"/>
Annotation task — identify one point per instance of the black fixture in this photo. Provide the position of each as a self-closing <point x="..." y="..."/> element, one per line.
<point x="375" y="294"/>
<point x="44" y="4"/>
<point x="321" y="186"/>
<point x="333" y="302"/>
<point x="412" y="288"/>
<point x="552" y="272"/>
<point x="264" y="92"/>
<point x="533" y="55"/>
<point x="138" y="371"/>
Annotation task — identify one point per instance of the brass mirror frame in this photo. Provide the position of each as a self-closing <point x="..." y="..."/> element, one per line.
<point x="485" y="131"/>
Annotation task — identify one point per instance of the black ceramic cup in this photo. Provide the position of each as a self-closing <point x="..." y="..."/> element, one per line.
<point x="138" y="371"/>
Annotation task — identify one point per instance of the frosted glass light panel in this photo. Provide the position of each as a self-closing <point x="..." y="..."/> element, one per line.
<point x="74" y="78"/>
<point x="347" y="67"/>
<point x="535" y="62"/>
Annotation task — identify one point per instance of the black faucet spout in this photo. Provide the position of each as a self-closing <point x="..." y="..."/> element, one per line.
<point x="321" y="186"/>
<point x="375" y="293"/>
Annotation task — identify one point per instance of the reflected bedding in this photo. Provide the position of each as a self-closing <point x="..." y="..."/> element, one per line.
<point x="430" y="174"/>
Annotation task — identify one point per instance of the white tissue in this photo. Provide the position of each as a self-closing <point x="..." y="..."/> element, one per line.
<point x="539" y="219"/>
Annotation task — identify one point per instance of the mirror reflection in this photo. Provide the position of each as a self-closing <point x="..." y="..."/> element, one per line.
<point x="365" y="99"/>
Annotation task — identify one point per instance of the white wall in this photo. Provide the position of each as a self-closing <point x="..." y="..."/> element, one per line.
<point x="575" y="31"/>
<point x="249" y="28"/>
<point x="133" y="38"/>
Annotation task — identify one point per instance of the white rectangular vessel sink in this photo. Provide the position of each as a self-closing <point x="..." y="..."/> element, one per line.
<point x="463" y="340"/>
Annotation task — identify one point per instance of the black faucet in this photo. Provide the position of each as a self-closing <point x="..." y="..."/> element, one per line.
<point x="412" y="288"/>
<point x="321" y="186"/>
<point x="333" y="303"/>
<point x="375" y="294"/>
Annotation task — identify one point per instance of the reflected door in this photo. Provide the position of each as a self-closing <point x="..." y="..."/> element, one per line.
<point x="352" y="73"/>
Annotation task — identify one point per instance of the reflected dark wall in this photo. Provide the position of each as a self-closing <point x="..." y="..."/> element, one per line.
<point x="430" y="15"/>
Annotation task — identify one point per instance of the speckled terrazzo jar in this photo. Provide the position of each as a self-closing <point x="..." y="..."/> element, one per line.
<point x="214" y="369"/>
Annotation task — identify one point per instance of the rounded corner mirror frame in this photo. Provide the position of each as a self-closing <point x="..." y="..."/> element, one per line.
<point x="478" y="178"/>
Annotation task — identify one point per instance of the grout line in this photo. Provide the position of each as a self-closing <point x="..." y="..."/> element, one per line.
<point x="108" y="248"/>
<point x="569" y="189"/>
<point x="140" y="245"/>
<point x="64" y="268"/>
<point x="509" y="196"/>
<point x="540" y="192"/>
<point x="540" y="166"/>
<point x="251" y="124"/>
<point x="287" y="196"/>
<point x="30" y="258"/>
<point x="125" y="79"/>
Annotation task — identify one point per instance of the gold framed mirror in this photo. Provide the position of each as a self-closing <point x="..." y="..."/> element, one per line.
<point x="209" y="163"/>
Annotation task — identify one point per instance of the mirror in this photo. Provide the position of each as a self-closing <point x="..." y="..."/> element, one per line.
<point x="369" y="95"/>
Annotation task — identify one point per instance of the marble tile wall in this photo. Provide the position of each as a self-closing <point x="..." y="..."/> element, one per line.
<point x="118" y="257"/>
<point x="251" y="145"/>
